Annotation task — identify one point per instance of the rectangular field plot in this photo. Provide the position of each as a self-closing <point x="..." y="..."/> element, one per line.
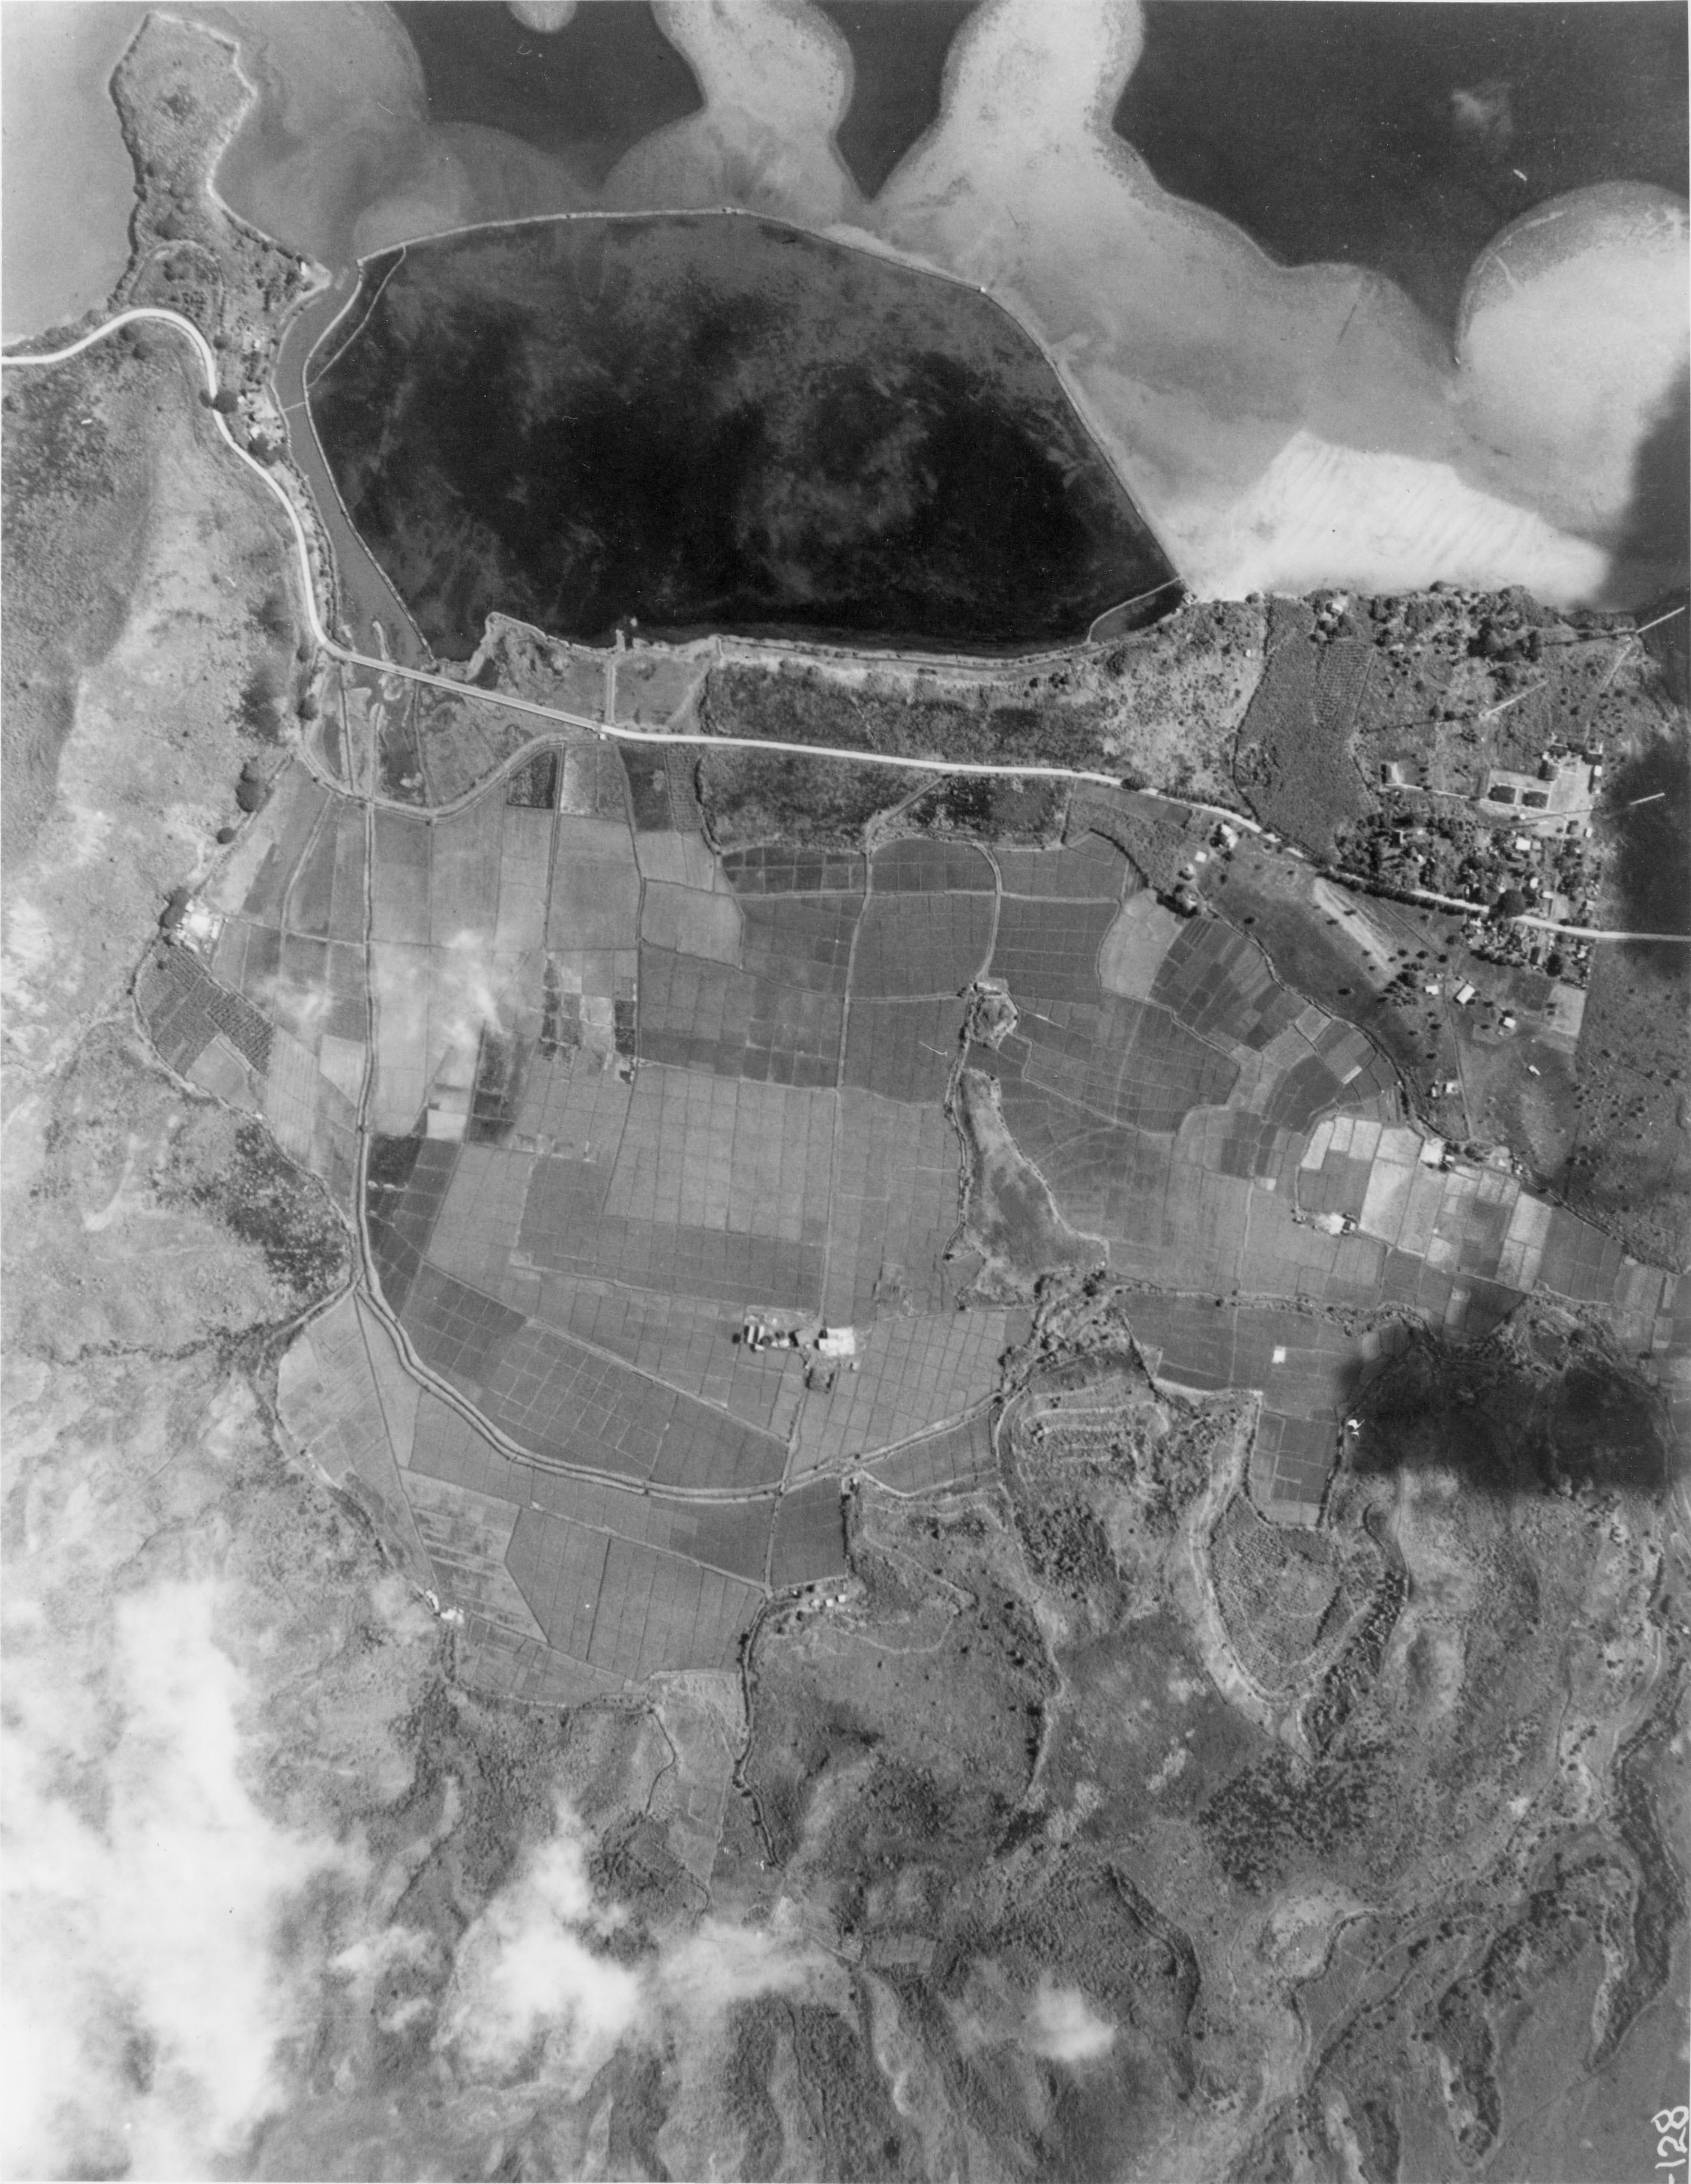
<point x="594" y="784"/>
<point x="399" y="880"/>
<point x="731" y="1537"/>
<point x="691" y="921"/>
<point x="468" y="1535"/>
<point x="533" y="785"/>
<point x="784" y="870"/>
<point x="1218" y="983"/>
<point x="569" y="1404"/>
<point x="704" y="1264"/>
<point x="912" y="1373"/>
<point x="648" y="788"/>
<point x="896" y="1208"/>
<point x="626" y="1609"/>
<point x="708" y="1153"/>
<point x="309" y="901"/>
<point x="691" y="1345"/>
<point x="902" y="1049"/>
<point x="921" y="944"/>
<point x="1234" y="1142"/>
<point x="1578" y="1261"/>
<point x="464" y="876"/>
<point x="480" y="1217"/>
<point x="498" y="1662"/>
<point x="525" y="864"/>
<point x="1048" y="952"/>
<point x="1306" y="1091"/>
<point x="448" y="1446"/>
<point x="810" y="1537"/>
<point x="185" y="1008"/>
<point x="1281" y="1258"/>
<point x="931" y="864"/>
<point x="595" y="886"/>
<point x="682" y="861"/>
<point x="956" y="1456"/>
<point x="707" y="1263"/>
<point x="1291" y="1464"/>
<point x="572" y="1106"/>
<point x="460" y="1332"/>
<point x="1132" y="953"/>
<point x="702" y="1016"/>
<point x="805" y="943"/>
<point x="1089" y="870"/>
<point x="1305" y="1367"/>
<point x="1129" y="1062"/>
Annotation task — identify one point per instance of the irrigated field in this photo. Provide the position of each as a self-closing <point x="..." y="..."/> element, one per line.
<point x="598" y="1090"/>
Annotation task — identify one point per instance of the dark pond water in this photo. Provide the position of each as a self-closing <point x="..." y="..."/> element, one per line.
<point x="1652" y="796"/>
<point x="897" y="53"/>
<point x="712" y="420"/>
<point x="585" y="93"/>
<point x="1403" y="135"/>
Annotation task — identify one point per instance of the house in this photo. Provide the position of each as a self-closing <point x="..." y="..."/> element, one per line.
<point x="1552" y="801"/>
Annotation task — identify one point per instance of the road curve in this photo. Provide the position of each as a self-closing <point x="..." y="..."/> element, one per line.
<point x="157" y="315"/>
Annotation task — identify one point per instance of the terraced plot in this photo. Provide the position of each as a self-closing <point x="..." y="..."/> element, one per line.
<point x="597" y="1092"/>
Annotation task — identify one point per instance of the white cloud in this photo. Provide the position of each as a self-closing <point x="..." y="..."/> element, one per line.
<point x="526" y="1970"/>
<point x="1063" y="2026"/>
<point x="533" y="1987"/>
<point x="719" y="1965"/>
<point x="145" y="2005"/>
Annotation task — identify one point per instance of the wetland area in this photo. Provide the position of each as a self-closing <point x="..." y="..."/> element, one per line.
<point x="716" y="420"/>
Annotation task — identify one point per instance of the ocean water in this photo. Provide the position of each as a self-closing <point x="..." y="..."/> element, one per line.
<point x="1403" y="135"/>
<point x="898" y="57"/>
<point x="66" y="182"/>
<point x="584" y="93"/>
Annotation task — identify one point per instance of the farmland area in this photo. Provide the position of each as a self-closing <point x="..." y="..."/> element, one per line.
<point x="634" y="1125"/>
<point x="734" y="1453"/>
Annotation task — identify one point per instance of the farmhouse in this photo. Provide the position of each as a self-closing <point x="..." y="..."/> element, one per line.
<point x="1556" y="799"/>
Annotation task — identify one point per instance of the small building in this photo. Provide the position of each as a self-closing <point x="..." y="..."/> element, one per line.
<point x="761" y="1330"/>
<point x="1545" y="800"/>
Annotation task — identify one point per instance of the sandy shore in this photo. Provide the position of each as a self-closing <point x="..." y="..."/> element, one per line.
<point x="1282" y="429"/>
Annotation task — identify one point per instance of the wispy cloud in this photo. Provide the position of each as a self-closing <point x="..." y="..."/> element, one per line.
<point x="145" y="2001"/>
<point x="176" y="1948"/>
<point x="1064" y="2027"/>
<point x="535" y="1988"/>
<point x="529" y="1987"/>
